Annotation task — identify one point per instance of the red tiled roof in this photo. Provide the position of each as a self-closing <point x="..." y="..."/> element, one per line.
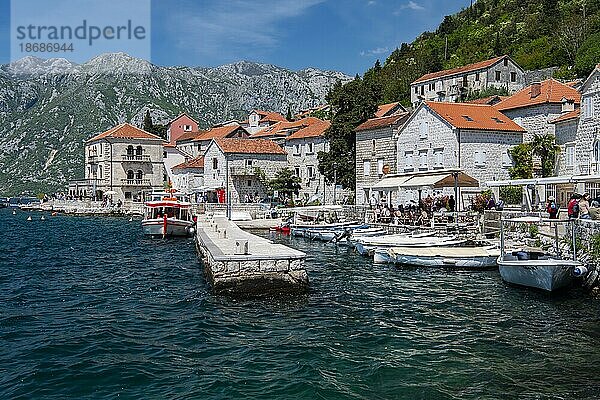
<point x="567" y="116"/>
<point x="197" y="162"/>
<point x="270" y="116"/>
<point x="244" y="146"/>
<point x="474" y="116"/>
<point x="189" y="136"/>
<point x="181" y="115"/>
<point x="459" y="70"/>
<point x="551" y="91"/>
<point x="219" y="132"/>
<point x="384" y="109"/>
<point x="284" y="128"/>
<point x="125" y="131"/>
<point x="491" y="100"/>
<point x="169" y="145"/>
<point x="313" y="130"/>
<point x="382" y="122"/>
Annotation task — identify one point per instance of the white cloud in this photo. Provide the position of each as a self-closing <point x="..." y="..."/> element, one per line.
<point x="375" y="52"/>
<point x="411" y="5"/>
<point x="371" y="2"/>
<point x="235" y="29"/>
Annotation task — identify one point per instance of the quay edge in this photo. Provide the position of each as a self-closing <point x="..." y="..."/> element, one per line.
<point x="265" y="269"/>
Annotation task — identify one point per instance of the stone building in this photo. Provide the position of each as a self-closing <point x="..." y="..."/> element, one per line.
<point x="473" y="138"/>
<point x="376" y="151"/>
<point x="455" y="84"/>
<point x="259" y="119"/>
<point x="196" y="143"/>
<point x="587" y="141"/>
<point x="537" y="105"/>
<point x="188" y="177"/>
<point x="279" y="131"/>
<point x="302" y="147"/>
<point x="236" y="165"/>
<point x="565" y="131"/>
<point x="125" y="160"/>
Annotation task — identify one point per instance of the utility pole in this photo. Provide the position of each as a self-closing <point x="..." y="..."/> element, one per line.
<point x="334" y="183"/>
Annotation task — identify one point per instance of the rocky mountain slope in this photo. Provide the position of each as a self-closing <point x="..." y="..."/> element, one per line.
<point x="48" y="108"/>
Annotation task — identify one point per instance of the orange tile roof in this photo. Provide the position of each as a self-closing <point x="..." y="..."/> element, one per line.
<point x="491" y="100"/>
<point x="551" y="91"/>
<point x="284" y="128"/>
<point x="197" y="162"/>
<point x="179" y="116"/>
<point x="382" y="122"/>
<point x="474" y="116"/>
<point x="125" y="131"/>
<point x="270" y="116"/>
<point x="219" y="132"/>
<point x="189" y="136"/>
<point x="459" y="70"/>
<point x="384" y="109"/>
<point x="567" y="116"/>
<point x="245" y="146"/>
<point x="313" y="130"/>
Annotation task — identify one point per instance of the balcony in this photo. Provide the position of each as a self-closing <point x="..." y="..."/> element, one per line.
<point x="135" y="182"/>
<point x="136" y="158"/>
<point x="242" y="171"/>
<point x="92" y="159"/>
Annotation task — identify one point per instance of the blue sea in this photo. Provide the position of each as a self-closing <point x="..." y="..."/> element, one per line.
<point x="91" y="309"/>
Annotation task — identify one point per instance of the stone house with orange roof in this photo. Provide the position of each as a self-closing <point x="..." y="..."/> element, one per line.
<point x="236" y="165"/>
<point x="471" y="137"/>
<point x="126" y="160"/>
<point x="259" y="119"/>
<point x="537" y="105"/>
<point x="454" y="84"/>
<point x="376" y="150"/>
<point x="188" y="177"/>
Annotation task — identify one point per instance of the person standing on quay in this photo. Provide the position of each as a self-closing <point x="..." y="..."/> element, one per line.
<point x="552" y="208"/>
<point x="451" y="207"/>
<point x="573" y="206"/>
<point x="584" y="207"/>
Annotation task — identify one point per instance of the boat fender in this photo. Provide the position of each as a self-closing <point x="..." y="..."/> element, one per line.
<point x="191" y="231"/>
<point x="580" y="271"/>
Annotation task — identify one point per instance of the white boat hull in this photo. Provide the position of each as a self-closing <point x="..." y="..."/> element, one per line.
<point x="155" y="227"/>
<point x="546" y="274"/>
<point x="439" y="257"/>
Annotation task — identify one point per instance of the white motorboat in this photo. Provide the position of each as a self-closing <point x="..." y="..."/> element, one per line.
<point x="367" y="245"/>
<point x="478" y="257"/>
<point x="169" y="216"/>
<point x="533" y="267"/>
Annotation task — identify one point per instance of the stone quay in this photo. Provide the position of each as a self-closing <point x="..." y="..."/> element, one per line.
<point x="240" y="264"/>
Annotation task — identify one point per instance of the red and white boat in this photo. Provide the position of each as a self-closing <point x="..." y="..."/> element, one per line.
<point x="167" y="216"/>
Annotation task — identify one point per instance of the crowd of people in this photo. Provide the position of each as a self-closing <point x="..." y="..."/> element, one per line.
<point x="413" y="213"/>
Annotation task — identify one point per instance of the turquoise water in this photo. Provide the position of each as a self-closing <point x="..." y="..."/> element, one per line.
<point x="89" y="308"/>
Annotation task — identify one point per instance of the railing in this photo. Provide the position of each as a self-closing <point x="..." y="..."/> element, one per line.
<point x="242" y="171"/>
<point x="90" y="181"/>
<point x="135" y="182"/>
<point x="136" y="157"/>
<point x="92" y="159"/>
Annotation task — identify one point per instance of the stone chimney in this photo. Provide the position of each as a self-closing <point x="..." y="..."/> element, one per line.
<point x="568" y="105"/>
<point x="536" y="89"/>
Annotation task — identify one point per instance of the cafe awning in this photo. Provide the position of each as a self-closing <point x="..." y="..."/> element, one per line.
<point x="425" y="180"/>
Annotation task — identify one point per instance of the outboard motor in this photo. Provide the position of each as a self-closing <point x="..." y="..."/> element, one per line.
<point x="580" y="271"/>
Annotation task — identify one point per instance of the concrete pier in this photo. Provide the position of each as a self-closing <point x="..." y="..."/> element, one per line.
<point x="241" y="264"/>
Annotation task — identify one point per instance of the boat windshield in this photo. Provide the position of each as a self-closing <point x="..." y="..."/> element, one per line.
<point x="171" y="212"/>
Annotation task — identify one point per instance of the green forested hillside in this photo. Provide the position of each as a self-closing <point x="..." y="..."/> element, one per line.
<point x="535" y="33"/>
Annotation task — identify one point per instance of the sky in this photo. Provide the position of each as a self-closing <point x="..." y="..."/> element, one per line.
<point x="342" y="35"/>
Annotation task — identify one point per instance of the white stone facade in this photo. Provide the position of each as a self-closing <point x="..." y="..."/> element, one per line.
<point x="240" y="169"/>
<point x="566" y="137"/>
<point x="587" y="151"/>
<point x="375" y="148"/>
<point x="505" y="73"/>
<point x="481" y="154"/>
<point x="536" y="119"/>
<point x="125" y="166"/>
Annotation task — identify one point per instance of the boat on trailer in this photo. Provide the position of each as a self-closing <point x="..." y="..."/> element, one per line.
<point x="167" y="216"/>
<point x="534" y="267"/>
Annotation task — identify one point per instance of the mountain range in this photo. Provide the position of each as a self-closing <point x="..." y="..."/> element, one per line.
<point x="49" y="108"/>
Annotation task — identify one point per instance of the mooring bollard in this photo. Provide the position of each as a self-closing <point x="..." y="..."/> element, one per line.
<point x="241" y="246"/>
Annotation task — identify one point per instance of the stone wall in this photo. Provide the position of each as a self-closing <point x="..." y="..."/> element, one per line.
<point x="373" y="145"/>
<point x="588" y="131"/>
<point x="566" y="135"/>
<point x="535" y="119"/>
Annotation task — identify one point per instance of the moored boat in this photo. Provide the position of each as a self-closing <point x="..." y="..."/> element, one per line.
<point x="169" y="216"/>
<point x="478" y="257"/>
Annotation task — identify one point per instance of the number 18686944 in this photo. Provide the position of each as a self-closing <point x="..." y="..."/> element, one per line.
<point x="46" y="47"/>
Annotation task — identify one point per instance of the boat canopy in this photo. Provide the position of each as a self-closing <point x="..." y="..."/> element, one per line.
<point x="427" y="179"/>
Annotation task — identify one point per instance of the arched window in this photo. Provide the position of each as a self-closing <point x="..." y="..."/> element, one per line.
<point x="139" y="174"/>
<point x="138" y="151"/>
<point x="130" y="175"/>
<point x="130" y="150"/>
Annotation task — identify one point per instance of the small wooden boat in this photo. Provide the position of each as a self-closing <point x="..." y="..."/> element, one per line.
<point x="440" y="257"/>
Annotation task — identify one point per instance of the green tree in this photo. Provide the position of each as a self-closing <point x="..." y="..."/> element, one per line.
<point x="588" y="55"/>
<point x="352" y="104"/>
<point x="289" y="116"/>
<point x="286" y="183"/>
<point x="545" y="147"/>
<point x="522" y="161"/>
<point x="148" y="125"/>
